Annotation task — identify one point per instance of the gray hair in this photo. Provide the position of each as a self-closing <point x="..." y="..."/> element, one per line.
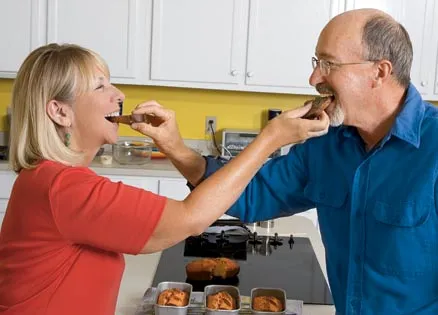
<point x="384" y="38"/>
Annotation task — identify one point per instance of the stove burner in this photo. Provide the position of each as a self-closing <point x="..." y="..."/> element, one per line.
<point x="275" y="241"/>
<point x="222" y="238"/>
<point x="254" y="239"/>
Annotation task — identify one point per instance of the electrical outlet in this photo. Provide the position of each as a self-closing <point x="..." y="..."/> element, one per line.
<point x="209" y="119"/>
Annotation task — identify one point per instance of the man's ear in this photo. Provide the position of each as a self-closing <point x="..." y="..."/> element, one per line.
<point x="383" y="72"/>
<point x="59" y="112"/>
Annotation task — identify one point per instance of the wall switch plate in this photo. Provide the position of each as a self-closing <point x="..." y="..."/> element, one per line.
<point x="208" y="120"/>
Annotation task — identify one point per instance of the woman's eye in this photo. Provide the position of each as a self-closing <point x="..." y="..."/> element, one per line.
<point x="100" y="87"/>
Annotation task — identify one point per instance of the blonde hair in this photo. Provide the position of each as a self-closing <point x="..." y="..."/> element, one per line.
<point x="51" y="72"/>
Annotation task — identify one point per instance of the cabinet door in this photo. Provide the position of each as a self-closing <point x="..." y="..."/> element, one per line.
<point x="22" y="29"/>
<point x="418" y="18"/>
<point x="312" y="215"/>
<point x="116" y="29"/>
<point x="282" y="40"/>
<point x="3" y="206"/>
<point x="7" y="179"/>
<point x="149" y="184"/>
<point x="174" y="188"/>
<point x="435" y="52"/>
<point x="198" y="41"/>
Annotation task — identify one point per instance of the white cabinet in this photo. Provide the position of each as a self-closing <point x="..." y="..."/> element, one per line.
<point x="420" y="19"/>
<point x="312" y="215"/>
<point x="22" y="28"/>
<point x="173" y="188"/>
<point x="7" y="179"/>
<point x="3" y="206"/>
<point x="146" y="183"/>
<point x="198" y="41"/>
<point x="209" y="45"/>
<point x="116" y="29"/>
<point x="281" y="41"/>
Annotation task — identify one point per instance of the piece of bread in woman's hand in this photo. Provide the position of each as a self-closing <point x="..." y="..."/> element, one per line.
<point x="319" y="104"/>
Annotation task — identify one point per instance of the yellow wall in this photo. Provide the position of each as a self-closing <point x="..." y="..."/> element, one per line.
<point x="233" y="109"/>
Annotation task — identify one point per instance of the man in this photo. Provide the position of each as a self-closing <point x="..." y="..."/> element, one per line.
<point x="373" y="177"/>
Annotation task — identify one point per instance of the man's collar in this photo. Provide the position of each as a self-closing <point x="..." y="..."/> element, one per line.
<point x="407" y="122"/>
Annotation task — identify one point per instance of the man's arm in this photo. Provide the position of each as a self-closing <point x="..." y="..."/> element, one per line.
<point x="189" y="163"/>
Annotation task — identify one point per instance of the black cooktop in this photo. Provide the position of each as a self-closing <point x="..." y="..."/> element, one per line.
<point x="278" y="262"/>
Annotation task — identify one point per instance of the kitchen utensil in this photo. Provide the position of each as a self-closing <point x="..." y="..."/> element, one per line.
<point x="132" y="152"/>
<point x="172" y="310"/>
<point x="213" y="289"/>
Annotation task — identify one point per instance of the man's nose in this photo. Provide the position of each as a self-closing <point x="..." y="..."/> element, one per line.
<point x="316" y="77"/>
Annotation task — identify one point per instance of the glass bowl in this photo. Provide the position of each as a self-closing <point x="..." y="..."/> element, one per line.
<point x="132" y="152"/>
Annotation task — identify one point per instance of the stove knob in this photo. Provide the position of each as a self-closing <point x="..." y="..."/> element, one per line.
<point x="291" y="240"/>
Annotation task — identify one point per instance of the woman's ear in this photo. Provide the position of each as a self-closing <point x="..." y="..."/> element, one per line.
<point x="60" y="113"/>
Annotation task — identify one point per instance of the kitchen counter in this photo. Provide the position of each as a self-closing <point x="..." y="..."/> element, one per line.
<point x="154" y="168"/>
<point x="140" y="270"/>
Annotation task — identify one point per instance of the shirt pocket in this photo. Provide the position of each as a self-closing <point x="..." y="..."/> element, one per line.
<point x="398" y="240"/>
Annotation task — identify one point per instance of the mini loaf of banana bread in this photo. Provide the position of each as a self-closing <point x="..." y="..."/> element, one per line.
<point x="267" y="304"/>
<point x="173" y="297"/>
<point x="207" y="268"/>
<point x="221" y="301"/>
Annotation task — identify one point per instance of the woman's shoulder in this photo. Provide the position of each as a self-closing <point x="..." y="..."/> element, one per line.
<point x="48" y="170"/>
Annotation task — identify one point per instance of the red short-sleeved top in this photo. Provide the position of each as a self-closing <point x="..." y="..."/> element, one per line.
<point x="62" y="238"/>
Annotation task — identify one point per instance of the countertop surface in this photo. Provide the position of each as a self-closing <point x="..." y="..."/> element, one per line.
<point x="140" y="270"/>
<point x="153" y="168"/>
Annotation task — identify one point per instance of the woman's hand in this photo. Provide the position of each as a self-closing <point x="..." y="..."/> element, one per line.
<point x="164" y="131"/>
<point x="289" y="127"/>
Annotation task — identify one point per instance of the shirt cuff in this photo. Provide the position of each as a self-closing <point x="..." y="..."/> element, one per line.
<point x="212" y="164"/>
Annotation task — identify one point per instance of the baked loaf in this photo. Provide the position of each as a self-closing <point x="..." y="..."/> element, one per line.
<point x="221" y="301"/>
<point x="173" y="297"/>
<point x="267" y="304"/>
<point x="319" y="104"/>
<point x="206" y="268"/>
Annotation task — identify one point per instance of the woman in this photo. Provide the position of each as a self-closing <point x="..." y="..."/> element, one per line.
<point x="65" y="227"/>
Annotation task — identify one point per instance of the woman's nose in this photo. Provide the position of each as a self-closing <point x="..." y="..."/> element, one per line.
<point x="119" y="95"/>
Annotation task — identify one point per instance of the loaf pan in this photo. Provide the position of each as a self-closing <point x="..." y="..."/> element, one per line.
<point x="172" y="310"/>
<point x="215" y="288"/>
<point x="278" y="293"/>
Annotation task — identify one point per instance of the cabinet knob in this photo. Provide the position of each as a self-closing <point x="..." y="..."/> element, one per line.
<point x="249" y="74"/>
<point x="423" y="83"/>
<point x="234" y="73"/>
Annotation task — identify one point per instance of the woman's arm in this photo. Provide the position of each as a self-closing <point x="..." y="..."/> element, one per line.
<point x="215" y="195"/>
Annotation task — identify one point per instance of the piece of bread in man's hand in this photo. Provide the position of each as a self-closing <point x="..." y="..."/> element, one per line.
<point x="319" y="104"/>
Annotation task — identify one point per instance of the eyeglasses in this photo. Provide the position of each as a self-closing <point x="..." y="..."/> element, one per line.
<point x="325" y="66"/>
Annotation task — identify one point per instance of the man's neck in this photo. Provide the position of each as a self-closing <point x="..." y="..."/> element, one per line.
<point x="377" y="123"/>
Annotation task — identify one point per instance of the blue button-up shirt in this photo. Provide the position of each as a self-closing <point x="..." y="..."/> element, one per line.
<point x="377" y="209"/>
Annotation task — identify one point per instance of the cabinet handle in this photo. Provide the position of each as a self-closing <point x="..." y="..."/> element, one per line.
<point x="423" y="83"/>
<point x="234" y="73"/>
<point x="249" y="74"/>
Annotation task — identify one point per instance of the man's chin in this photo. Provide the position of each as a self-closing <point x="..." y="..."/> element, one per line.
<point x="336" y="116"/>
